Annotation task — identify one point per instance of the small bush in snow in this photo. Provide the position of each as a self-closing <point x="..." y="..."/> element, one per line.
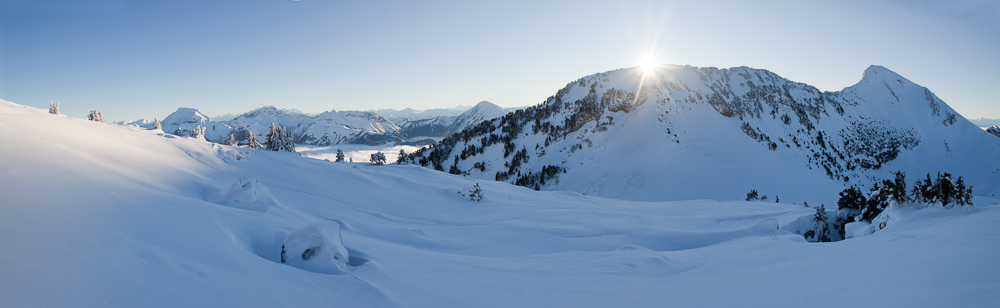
<point x="474" y="194"/>
<point x="752" y="195"/>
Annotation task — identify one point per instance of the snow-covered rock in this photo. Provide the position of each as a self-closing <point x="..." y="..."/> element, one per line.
<point x="995" y="130"/>
<point x="316" y="248"/>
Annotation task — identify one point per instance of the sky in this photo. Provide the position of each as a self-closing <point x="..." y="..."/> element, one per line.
<point x="144" y="59"/>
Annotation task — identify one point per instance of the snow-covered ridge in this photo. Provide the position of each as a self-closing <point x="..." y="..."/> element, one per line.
<point x="717" y="133"/>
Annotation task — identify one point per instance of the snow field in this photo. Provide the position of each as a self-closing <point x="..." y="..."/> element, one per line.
<point x="101" y="215"/>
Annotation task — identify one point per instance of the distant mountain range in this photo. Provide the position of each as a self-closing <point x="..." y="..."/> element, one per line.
<point x="985" y="122"/>
<point x="689" y="133"/>
<point x="380" y="127"/>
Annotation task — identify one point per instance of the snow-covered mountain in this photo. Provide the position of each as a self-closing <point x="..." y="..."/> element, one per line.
<point x="99" y="215"/>
<point x="331" y="127"/>
<point x="666" y="135"/>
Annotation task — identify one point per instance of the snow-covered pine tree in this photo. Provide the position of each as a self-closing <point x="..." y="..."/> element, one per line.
<point x="252" y="141"/>
<point x="851" y="201"/>
<point x="820" y="226"/>
<point x="946" y="189"/>
<point x="378" y="159"/>
<point x="157" y="125"/>
<point x="476" y="194"/>
<point x="402" y="157"/>
<point x="54" y="108"/>
<point x="198" y="132"/>
<point x="287" y="140"/>
<point x="95" y="115"/>
<point x="273" y="141"/>
<point x="965" y="194"/>
<point x="899" y="189"/>
<point x="340" y="155"/>
<point x="232" y="139"/>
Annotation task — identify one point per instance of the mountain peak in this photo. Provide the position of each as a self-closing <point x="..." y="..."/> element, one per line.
<point x="878" y="73"/>
<point x="186" y="115"/>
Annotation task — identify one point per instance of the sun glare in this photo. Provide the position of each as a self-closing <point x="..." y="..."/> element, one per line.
<point x="647" y="65"/>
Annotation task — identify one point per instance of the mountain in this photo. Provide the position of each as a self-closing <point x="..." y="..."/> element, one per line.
<point x="412" y="114"/>
<point x="985" y="122"/>
<point x="107" y="215"/>
<point x="690" y="133"/>
<point x="331" y="127"/>
<point x="481" y="112"/>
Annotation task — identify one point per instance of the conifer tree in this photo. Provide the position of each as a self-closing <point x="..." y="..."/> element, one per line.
<point x="274" y="136"/>
<point x="198" y="132"/>
<point x="899" y="188"/>
<point x="378" y="159"/>
<point x="232" y="139"/>
<point x="946" y="189"/>
<point x="252" y="141"/>
<point x="340" y="155"/>
<point x="401" y="160"/>
<point x="476" y="194"/>
<point x="287" y="140"/>
<point x="95" y="115"/>
<point x="54" y="108"/>
<point x="820" y="225"/>
<point x="851" y="201"/>
<point x="157" y="125"/>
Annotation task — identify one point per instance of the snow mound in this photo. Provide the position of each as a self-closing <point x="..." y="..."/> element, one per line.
<point x="250" y="195"/>
<point x="316" y="248"/>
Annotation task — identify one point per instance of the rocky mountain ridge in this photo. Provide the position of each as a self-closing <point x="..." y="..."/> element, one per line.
<point x="660" y="136"/>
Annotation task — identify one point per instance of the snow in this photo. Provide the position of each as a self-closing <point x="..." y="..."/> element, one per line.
<point x="95" y="214"/>
<point x="359" y="153"/>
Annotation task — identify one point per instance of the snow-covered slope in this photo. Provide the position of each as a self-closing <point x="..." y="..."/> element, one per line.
<point x="93" y="214"/>
<point x="694" y="133"/>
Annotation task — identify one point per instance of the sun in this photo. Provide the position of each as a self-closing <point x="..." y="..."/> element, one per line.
<point x="648" y="65"/>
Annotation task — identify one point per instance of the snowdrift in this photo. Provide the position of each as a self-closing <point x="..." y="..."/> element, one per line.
<point x="249" y="195"/>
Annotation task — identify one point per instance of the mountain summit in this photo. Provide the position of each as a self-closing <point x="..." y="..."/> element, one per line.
<point x="688" y="133"/>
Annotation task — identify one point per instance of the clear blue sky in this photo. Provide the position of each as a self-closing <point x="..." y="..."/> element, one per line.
<point x="144" y="59"/>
